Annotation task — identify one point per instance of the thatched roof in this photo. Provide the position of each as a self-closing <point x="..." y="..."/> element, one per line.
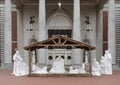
<point x="59" y="41"/>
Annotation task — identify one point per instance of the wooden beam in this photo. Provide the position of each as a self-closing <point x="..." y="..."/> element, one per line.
<point x="64" y="42"/>
<point x="54" y="42"/>
<point x="29" y="63"/>
<point x="90" y="59"/>
<point x="36" y="56"/>
<point x="84" y="56"/>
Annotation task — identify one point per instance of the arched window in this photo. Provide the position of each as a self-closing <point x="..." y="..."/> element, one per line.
<point x="59" y="24"/>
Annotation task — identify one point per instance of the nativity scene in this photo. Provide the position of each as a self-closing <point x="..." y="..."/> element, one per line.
<point x="58" y="66"/>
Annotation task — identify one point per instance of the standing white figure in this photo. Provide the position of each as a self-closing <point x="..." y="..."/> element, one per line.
<point x="95" y="68"/>
<point x="20" y="68"/>
<point x="33" y="57"/>
<point x="86" y="58"/>
<point x="108" y="60"/>
<point x="58" y="66"/>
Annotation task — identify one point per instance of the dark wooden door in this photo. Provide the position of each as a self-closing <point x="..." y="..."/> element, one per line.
<point x="14" y="31"/>
<point x="105" y="31"/>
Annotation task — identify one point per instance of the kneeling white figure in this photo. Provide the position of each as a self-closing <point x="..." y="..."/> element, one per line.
<point x="95" y="68"/>
<point x="82" y="69"/>
<point x="36" y="69"/>
<point x="102" y="64"/>
<point x="58" y="66"/>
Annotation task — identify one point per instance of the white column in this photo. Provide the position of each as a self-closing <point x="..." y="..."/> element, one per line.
<point x="8" y="31"/>
<point x="111" y="29"/>
<point x="99" y="33"/>
<point x="76" y="31"/>
<point x="42" y="20"/>
<point x="42" y="30"/>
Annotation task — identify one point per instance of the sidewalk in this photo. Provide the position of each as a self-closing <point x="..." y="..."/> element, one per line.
<point x="6" y="78"/>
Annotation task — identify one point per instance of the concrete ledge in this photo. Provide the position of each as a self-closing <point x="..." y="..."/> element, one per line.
<point x="6" y="66"/>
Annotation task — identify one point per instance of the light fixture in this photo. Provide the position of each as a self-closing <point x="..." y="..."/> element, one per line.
<point x="59" y="4"/>
<point x="87" y="22"/>
<point x="31" y="22"/>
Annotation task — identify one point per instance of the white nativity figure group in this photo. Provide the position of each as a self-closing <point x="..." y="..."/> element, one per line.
<point x="104" y="67"/>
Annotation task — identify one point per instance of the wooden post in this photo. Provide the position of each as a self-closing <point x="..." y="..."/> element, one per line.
<point x="84" y="56"/>
<point x="29" y="63"/>
<point x="35" y="56"/>
<point x="90" y="59"/>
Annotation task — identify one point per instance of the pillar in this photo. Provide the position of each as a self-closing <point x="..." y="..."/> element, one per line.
<point x="42" y="31"/>
<point x="77" y="57"/>
<point x="8" y="34"/>
<point x="111" y="29"/>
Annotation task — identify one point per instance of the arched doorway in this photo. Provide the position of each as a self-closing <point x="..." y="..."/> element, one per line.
<point x="59" y="24"/>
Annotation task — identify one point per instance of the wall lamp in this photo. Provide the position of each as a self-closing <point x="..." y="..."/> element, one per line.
<point x="87" y="22"/>
<point x="31" y="22"/>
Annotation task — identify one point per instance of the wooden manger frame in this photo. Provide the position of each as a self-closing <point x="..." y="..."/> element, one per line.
<point x="63" y="42"/>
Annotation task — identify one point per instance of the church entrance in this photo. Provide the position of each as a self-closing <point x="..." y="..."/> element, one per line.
<point x="59" y="24"/>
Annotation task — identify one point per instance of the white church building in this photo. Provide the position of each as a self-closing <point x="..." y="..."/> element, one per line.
<point x="24" y="22"/>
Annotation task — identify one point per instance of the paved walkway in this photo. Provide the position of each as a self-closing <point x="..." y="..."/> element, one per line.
<point x="6" y="78"/>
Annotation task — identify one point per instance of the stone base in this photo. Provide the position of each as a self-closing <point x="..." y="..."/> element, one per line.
<point x="115" y="67"/>
<point x="6" y="66"/>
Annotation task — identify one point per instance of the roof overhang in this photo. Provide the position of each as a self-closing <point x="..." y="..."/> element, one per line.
<point x="20" y="3"/>
<point x="59" y="42"/>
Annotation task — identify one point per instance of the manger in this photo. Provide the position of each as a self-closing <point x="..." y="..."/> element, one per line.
<point x="58" y="68"/>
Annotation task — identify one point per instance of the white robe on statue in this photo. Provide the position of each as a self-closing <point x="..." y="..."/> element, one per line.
<point x="20" y="68"/>
<point x="102" y="64"/>
<point x="95" y="68"/>
<point x="58" y="66"/>
<point x="108" y="65"/>
<point x="36" y="69"/>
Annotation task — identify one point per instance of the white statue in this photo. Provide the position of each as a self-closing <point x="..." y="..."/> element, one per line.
<point x="95" y="68"/>
<point x="58" y="66"/>
<point x="20" y="68"/>
<point x="82" y="69"/>
<point x="77" y="70"/>
<point x="33" y="57"/>
<point x="108" y="61"/>
<point x="86" y="57"/>
<point x="73" y="71"/>
<point x="102" y="64"/>
<point x="36" y="69"/>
